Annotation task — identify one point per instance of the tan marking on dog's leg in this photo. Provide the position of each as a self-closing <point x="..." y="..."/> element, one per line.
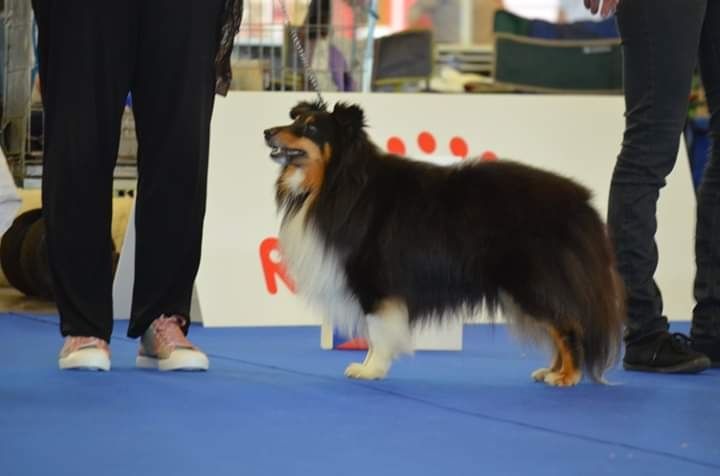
<point x="568" y="374"/>
<point x="389" y="336"/>
<point x="539" y="374"/>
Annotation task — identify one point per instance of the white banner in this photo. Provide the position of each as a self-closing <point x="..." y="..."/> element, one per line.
<point x="241" y="283"/>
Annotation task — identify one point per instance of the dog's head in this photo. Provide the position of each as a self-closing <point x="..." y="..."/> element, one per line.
<point x="316" y="137"/>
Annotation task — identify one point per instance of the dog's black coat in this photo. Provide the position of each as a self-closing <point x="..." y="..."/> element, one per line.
<point x="452" y="238"/>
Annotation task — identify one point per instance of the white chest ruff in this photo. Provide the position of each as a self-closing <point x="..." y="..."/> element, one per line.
<point x="319" y="275"/>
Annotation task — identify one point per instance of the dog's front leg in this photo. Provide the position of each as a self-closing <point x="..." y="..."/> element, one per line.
<point x="388" y="337"/>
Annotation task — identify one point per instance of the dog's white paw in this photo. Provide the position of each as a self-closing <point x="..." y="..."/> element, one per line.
<point x="562" y="379"/>
<point x="365" y="372"/>
<point x="539" y="374"/>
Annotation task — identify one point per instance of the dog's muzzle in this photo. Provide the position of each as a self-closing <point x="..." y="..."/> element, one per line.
<point x="278" y="153"/>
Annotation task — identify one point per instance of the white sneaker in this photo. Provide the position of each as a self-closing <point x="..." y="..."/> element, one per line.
<point x="84" y="353"/>
<point x="165" y="347"/>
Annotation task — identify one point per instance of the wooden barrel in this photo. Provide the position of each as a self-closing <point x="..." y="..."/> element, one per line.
<point x="10" y="249"/>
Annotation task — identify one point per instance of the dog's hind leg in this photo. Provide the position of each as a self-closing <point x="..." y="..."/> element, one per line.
<point x="565" y="371"/>
<point x="388" y="337"/>
<point x="539" y="374"/>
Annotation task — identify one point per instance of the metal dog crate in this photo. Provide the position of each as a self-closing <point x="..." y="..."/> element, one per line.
<point x="332" y="33"/>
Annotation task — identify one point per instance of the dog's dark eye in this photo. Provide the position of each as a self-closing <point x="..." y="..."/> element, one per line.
<point x="310" y="130"/>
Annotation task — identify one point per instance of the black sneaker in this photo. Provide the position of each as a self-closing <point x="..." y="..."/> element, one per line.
<point x="663" y="352"/>
<point x="709" y="346"/>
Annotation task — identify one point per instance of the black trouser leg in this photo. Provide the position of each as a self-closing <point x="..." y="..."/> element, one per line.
<point x="660" y="41"/>
<point x="173" y="96"/>
<point x="706" y="315"/>
<point x="86" y="49"/>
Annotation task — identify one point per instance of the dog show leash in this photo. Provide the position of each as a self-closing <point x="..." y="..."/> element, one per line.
<point x="301" y="52"/>
<point x="310" y="74"/>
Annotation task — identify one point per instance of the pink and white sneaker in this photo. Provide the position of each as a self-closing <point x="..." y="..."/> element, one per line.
<point x="84" y="353"/>
<point x="165" y="347"/>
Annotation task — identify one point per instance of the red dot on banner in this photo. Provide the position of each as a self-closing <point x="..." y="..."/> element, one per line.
<point x="458" y="147"/>
<point x="395" y="145"/>
<point x="426" y="142"/>
<point x="488" y="155"/>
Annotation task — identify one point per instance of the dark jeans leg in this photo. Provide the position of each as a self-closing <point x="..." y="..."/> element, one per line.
<point x="660" y="40"/>
<point x="173" y="98"/>
<point x="706" y="315"/>
<point x="86" y="52"/>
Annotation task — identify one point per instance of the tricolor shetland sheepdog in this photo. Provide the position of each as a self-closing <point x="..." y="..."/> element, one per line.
<point x="383" y="243"/>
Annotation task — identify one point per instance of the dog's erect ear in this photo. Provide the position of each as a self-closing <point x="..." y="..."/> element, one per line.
<point x="304" y="107"/>
<point x="350" y="117"/>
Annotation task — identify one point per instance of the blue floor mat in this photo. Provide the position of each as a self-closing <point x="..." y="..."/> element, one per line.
<point x="274" y="403"/>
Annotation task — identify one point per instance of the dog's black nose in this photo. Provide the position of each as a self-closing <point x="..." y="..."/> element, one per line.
<point x="269" y="133"/>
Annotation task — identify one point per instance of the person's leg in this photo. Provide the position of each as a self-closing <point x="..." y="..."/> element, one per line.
<point x="706" y="315"/>
<point x="85" y="50"/>
<point x="660" y="39"/>
<point x="173" y="97"/>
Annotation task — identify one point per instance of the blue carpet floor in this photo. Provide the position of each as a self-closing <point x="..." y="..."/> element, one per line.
<point x="273" y="403"/>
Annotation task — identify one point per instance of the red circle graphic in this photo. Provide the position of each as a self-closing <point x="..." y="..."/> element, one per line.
<point x="489" y="155"/>
<point x="459" y="147"/>
<point x="426" y="142"/>
<point x="395" y="145"/>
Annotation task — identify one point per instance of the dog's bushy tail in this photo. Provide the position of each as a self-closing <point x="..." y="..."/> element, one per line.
<point x="593" y="273"/>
